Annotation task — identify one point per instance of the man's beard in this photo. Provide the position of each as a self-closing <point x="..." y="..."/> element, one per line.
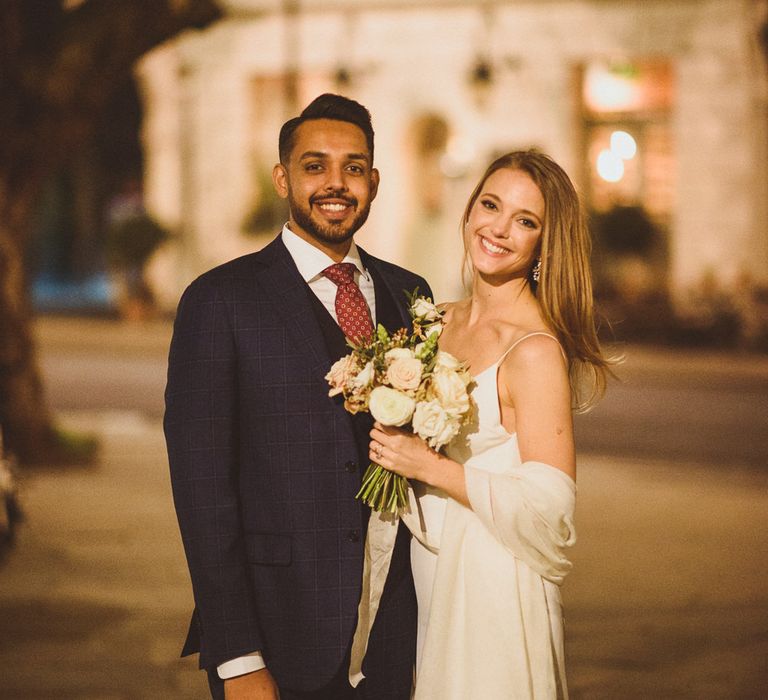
<point x="329" y="232"/>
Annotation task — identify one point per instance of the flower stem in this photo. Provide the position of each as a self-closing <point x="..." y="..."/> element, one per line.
<point x="382" y="490"/>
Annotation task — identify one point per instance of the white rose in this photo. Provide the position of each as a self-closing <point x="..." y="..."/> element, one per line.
<point x="364" y="377"/>
<point x="431" y="328"/>
<point x="340" y="373"/>
<point x="390" y="406"/>
<point x="405" y="373"/>
<point x="423" y="308"/>
<point x="449" y="389"/>
<point x="397" y="354"/>
<point x="465" y="377"/>
<point x="444" y="360"/>
<point x="431" y="422"/>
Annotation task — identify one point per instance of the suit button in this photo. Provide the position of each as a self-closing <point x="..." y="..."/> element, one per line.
<point x="353" y="535"/>
<point x="351" y="466"/>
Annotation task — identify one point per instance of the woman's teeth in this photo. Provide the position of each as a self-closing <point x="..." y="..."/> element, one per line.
<point x="491" y="248"/>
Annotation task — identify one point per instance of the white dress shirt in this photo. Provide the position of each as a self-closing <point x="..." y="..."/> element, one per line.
<point x="311" y="262"/>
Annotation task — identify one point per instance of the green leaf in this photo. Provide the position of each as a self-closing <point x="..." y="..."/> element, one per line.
<point x="381" y="334"/>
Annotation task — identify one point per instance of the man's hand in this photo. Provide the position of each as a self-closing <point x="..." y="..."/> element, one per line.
<point x="258" y="685"/>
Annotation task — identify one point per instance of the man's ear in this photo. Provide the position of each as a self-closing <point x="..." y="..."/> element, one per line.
<point x="280" y="180"/>
<point x="374" y="183"/>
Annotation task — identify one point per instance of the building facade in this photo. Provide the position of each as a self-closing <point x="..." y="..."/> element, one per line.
<point x="655" y="105"/>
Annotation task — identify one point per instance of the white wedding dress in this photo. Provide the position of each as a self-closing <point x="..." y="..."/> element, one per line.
<point x="487" y="578"/>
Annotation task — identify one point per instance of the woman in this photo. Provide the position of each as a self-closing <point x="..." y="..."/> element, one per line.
<point x="493" y="515"/>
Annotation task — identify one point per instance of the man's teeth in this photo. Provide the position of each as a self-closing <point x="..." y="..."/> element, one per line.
<point x="491" y="247"/>
<point x="333" y="207"/>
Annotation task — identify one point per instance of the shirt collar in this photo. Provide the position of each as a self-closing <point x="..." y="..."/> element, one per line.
<point x="311" y="261"/>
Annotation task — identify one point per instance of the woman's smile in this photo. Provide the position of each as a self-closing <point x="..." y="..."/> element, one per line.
<point x="492" y="248"/>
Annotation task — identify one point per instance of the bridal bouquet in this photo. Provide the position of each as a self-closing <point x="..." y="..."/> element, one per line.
<point x="404" y="380"/>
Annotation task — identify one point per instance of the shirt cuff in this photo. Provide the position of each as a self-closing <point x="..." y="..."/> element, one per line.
<point x="241" y="665"/>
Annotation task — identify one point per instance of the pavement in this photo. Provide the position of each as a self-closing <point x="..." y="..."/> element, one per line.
<point x="667" y="599"/>
<point x="94" y="597"/>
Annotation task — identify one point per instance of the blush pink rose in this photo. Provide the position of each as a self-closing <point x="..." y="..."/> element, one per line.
<point x="405" y="373"/>
<point x="340" y="373"/>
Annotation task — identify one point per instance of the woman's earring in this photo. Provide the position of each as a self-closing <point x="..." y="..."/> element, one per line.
<point x="536" y="270"/>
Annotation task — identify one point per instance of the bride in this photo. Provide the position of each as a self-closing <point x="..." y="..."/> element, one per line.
<point x="492" y="516"/>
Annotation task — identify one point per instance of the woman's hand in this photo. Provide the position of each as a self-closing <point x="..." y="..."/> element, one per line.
<point x="402" y="452"/>
<point x="408" y="455"/>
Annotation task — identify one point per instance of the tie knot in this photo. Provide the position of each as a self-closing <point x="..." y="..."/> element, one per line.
<point x="341" y="273"/>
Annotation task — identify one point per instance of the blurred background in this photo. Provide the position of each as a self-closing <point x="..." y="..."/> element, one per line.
<point x="137" y="140"/>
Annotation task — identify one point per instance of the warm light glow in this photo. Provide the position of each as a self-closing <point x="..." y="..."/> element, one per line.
<point x="605" y="91"/>
<point x="610" y="166"/>
<point x="458" y="157"/>
<point x="623" y="145"/>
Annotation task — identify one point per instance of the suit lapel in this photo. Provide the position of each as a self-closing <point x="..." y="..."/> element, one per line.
<point x="284" y="284"/>
<point x="392" y="284"/>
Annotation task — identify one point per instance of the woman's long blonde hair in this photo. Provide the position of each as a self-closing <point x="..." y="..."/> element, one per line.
<point x="564" y="289"/>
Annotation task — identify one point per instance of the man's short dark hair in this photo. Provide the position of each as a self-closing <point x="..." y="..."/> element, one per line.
<point x="327" y="106"/>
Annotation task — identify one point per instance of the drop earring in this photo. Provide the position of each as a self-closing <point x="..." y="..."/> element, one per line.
<point x="536" y="272"/>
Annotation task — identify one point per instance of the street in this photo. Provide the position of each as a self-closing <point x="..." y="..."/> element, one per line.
<point x="667" y="598"/>
<point x="706" y="407"/>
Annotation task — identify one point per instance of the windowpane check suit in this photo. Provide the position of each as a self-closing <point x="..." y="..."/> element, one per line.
<point x="265" y="467"/>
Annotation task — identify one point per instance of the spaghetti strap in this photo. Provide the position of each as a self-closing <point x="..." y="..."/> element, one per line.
<point x="515" y="344"/>
<point x="525" y="337"/>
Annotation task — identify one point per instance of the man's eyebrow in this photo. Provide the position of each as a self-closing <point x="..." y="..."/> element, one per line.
<point x="323" y="155"/>
<point x="313" y="154"/>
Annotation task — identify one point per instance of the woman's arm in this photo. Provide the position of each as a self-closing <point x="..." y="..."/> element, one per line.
<point x="530" y="508"/>
<point x="408" y="455"/>
<point x="535" y="399"/>
<point x="535" y="402"/>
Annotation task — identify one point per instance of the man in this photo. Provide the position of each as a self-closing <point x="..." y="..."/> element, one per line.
<point x="264" y="465"/>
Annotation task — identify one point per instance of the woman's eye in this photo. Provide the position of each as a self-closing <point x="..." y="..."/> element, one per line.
<point x="528" y="223"/>
<point x="488" y="204"/>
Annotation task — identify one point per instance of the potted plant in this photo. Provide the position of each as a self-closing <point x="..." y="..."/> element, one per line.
<point x="131" y="241"/>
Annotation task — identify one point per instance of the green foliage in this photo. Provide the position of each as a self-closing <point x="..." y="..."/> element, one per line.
<point x="131" y="241"/>
<point x="270" y="211"/>
<point x="625" y="230"/>
<point x="75" y="447"/>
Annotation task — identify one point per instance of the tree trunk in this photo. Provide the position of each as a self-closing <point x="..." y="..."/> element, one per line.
<point x="24" y="416"/>
<point x="58" y="68"/>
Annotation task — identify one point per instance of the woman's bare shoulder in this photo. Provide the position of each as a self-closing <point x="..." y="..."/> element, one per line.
<point x="537" y="352"/>
<point x="535" y="371"/>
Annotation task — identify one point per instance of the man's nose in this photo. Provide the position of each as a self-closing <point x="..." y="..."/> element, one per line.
<point x="335" y="179"/>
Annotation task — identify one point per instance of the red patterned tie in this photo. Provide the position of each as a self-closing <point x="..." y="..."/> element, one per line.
<point x="351" y="307"/>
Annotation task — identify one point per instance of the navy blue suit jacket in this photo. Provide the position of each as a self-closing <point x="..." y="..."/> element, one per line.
<point x="264" y="468"/>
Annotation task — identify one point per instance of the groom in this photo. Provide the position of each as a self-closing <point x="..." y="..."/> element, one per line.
<point x="264" y="465"/>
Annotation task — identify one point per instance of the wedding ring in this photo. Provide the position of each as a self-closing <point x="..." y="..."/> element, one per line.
<point x="378" y="449"/>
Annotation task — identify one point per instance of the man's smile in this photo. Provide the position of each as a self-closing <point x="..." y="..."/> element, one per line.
<point x="333" y="208"/>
